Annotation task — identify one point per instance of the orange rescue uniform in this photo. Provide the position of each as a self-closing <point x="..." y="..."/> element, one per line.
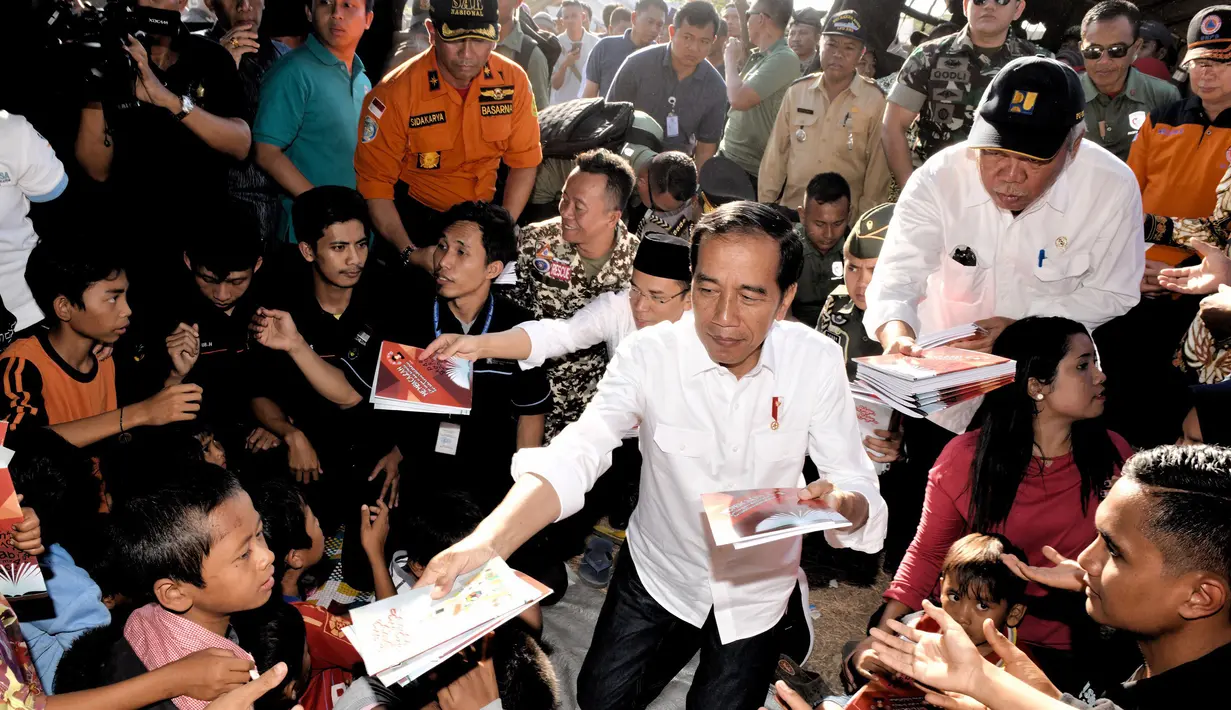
<point x="417" y="128"/>
<point x="1179" y="156"/>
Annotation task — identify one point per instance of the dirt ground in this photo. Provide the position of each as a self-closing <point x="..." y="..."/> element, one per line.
<point x="844" y="616"/>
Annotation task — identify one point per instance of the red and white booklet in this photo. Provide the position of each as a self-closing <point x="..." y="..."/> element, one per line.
<point x="20" y="576"/>
<point x="405" y="383"/>
<point x="760" y="515"/>
<point x="936" y="368"/>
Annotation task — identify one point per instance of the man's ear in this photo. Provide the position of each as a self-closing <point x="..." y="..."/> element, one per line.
<point x="294" y="559"/>
<point x="670" y="32"/>
<point x="785" y="306"/>
<point x="63" y="308"/>
<point x="1016" y="613"/>
<point x="1208" y="597"/>
<point x="257" y="266"/>
<point x="173" y="596"/>
<point x="307" y="252"/>
<point x="187" y="261"/>
<point x="493" y="270"/>
<point x="1021" y="7"/>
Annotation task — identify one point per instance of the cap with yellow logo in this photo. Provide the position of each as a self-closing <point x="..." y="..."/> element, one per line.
<point x="1029" y="109"/>
<point x="456" y="20"/>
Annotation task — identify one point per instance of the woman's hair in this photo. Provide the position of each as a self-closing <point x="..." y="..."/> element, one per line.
<point x="1005" y="450"/>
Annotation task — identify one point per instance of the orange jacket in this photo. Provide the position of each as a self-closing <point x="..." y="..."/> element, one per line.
<point x="1179" y="156"/>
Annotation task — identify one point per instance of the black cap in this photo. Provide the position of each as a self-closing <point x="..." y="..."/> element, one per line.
<point x="868" y="235"/>
<point x="663" y="257"/>
<point x="810" y="16"/>
<point x="1157" y="31"/>
<point x="1209" y="34"/>
<point x="846" y="24"/>
<point x="1029" y="108"/>
<point x="456" y="20"/>
<point x="722" y="181"/>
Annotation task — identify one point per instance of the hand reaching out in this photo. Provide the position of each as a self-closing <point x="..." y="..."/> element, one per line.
<point x="451" y="345"/>
<point x="207" y="674"/>
<point x="374" y="529"/>
<point x="1067" y="574"/>
<point x="261" y="439"/>
<point x="946" y="661"/>
<point x="28" y="534"/>
<point x="275" y="329"/>
<point x="1214" y="269"/>
<point x="390" y="465"/>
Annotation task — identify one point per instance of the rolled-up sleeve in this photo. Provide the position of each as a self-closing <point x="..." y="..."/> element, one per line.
<point x="835" y="446"/>
<point x="279" y="115"/>
<point x="581" y="453"/>
<point x="909" y="91"/>
<point x="593" y="324"/>
<point x="914" y="246"/>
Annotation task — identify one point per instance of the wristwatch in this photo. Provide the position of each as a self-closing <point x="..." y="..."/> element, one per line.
<point x="406" y="254"/>
<point x="186" y="107"/>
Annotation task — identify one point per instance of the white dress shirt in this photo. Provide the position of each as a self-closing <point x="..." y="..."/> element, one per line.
<point x="703" y="431"/>
<point x="1087" y="226"/>
<point x="607" y="319"/>
<point x="573" y="83"/>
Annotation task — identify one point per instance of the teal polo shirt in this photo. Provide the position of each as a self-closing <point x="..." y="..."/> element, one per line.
<point x="309" y="108"/>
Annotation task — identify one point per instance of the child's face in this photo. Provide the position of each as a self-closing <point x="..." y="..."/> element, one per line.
<point x="212" y="451"/>
<point x="970" y="612"/>
<point x="105" y="316"/>
<point x="238" y="571"/>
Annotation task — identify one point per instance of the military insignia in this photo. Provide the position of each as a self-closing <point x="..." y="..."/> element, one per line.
<point x="801" y="136"/>
<point x="424" y="120"/>
<point x="1062" y="243"/>
<point x="1211" y="24"/>
<point x="200" y="92"/>
<point x="1023" y="102"/>
<point x="429" y="161"/>
<point x="838" y="319"/>
<point x="352" y="353"/>
<point x="494" y="94"/>
<point x="369" y="129"/>
<point x="542" y="259"/>
<point x="433" y="80"/>
<point x="1136" y="120"/>
<point x="487" y="71"/>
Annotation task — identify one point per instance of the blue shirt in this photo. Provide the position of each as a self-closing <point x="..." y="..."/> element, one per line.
<point x="606" y="58"/>
<point x="310" y="106"/>
<point x="78" y="604"/>
<point x="699" y="102"/>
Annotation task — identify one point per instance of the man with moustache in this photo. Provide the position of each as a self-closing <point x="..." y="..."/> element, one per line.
<point x="727" y="398"/>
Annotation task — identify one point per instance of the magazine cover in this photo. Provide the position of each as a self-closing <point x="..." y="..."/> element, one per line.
<point x="403" y="381"/>
<point x="751" y="517"/>
<point x="20" y="576"/>
<point x="932" y="362"/>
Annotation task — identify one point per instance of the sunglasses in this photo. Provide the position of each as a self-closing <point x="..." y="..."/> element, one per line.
<point x="1115" y="51"/>
<point x="981" y="3"/>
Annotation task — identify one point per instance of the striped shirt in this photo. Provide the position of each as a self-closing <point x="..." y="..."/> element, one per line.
<point x="41" y="389"/>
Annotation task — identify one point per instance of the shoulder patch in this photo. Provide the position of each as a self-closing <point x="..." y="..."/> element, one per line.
<point x="806" y="77"/>
<point x="369" y="129"/>
<point x="433" y="80"/>
<point x="493" y="94"/>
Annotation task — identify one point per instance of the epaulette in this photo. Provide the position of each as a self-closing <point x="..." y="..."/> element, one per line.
<point x="806" y="77"/>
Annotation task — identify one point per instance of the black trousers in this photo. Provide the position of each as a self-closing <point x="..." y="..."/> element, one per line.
<point x="639" y="647"/>
<point x="905" y="484"/>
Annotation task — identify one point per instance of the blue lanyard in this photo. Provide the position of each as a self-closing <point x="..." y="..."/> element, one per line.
<point x="491" y="306"/>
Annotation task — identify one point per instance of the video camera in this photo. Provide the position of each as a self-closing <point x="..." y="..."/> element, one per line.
<point x="95" y="39"/>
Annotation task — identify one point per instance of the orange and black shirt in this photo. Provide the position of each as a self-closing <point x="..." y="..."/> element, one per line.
<point x="41" y="389"/>
<point x="1179" y="156"/>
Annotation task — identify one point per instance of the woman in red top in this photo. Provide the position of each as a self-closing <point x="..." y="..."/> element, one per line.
<point x="1034" y="472"/>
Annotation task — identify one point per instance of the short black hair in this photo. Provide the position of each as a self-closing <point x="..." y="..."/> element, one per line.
<point x="1189" y="518"/>
<point x="607" y="10"/>
<point x="499" y="241"/>
<point x="1110" y="10"/>
<point x="779" y="11"/>
<point x="647" y="4"/>
<point x="229" y="240"/>
<point x="315" y="210"/>
<point x="447" y="517"/>
<point x="369" y="5"/>
<point x="974" y="568"/>
<point x="699" y="14"/>
<point x="163" y="531"/>
<point x="620" y="14"/>
<point x="619" y="174"/>
<point x="674" y="173"/>
<point x="281" y="506"/>
<point x="274" y="633"/>
<point x="67" y="265"/>
<point x="743" y="217"/>
<point x="828" y="187"/>
<point x="573" y="3"/>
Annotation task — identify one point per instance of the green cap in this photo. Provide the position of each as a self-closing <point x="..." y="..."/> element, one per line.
<point x="868" y="234"/>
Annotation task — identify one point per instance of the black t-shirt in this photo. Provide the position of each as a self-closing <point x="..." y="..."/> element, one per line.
<point x="1191" y="685"/>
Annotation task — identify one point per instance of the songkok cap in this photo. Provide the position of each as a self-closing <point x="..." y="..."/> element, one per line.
<point x="1209" y="35"/>
<point x="723" y="181"/>
<point x="456" y="20"/>
<point x="663" y="257"/>
<point x="846" y="24"/>
<point x="868" y="234"/>
<point x="810" y="16"/>
<point x="1029" y="108"/>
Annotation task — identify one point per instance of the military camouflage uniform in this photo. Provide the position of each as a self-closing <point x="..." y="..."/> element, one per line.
<point x="552" y="283"/>
<point x="843" y="323"/>
<point x="943" y="80"/>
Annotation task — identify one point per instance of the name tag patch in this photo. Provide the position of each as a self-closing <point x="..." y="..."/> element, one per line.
<point x="495" y="109"/>
<point x="424" y="120"/>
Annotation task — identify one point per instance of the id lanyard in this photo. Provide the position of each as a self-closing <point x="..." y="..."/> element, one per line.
<point x="673" y="121"/>
<point x="491" y="306"/>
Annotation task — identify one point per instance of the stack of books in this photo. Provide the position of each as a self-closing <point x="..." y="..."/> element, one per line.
<point x="950" y="335"/>
<point x="932" y="382"/>
<point x="405" y="383"/>
<point x="407" y="635"/>
<point x="760" y="515"/>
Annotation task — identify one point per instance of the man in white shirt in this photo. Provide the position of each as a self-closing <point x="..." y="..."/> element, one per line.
<point x="1022" y="219"/>
<point x="29" y="172"/>
<point x="727" y="398"/>
<point x="575" y="43"/>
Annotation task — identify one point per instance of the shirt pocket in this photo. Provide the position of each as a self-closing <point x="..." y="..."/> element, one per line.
<point x="684" y="443"/>
<point x="428" y="148"/>
<point x="780" y="455"/>
<point x="1061" y="275"/>
<point x="962" y="284"/>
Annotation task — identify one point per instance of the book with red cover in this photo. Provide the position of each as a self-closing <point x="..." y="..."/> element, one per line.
<point x="935" y="368"/>
<point x="20" y="576"/>
<point x="760" y="515"/>
<point x="403" y="382"/>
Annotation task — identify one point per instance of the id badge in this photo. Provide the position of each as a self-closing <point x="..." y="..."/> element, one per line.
<point x="673" y="125"/>
<point x="447" y="437"/>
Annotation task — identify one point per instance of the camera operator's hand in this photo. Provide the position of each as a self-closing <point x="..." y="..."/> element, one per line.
<point x="240" y="40"/>
<point x="149" y="89"/>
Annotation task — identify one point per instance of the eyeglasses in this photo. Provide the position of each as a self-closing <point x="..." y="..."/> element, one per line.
<point x="981" y="3"/>
<point x="660" y="300"/>
<point x="1094" y="52"/>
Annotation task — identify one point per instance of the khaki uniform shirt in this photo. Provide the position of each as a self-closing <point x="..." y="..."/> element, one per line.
<point x="1113" y="123"/>
<point x="552" y="283"/>
<point x="813" y="135"/>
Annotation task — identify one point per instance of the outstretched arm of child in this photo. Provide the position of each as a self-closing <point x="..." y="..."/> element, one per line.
<point x="373" y="531"/>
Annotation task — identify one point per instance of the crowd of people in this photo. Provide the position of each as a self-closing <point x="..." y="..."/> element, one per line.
<point x="663" y="250"/>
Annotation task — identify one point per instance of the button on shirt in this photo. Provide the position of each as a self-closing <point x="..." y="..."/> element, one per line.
<point x="605" y="60"/>
<point x="648" y="80"/>
<point x="702" y="431"/>
<point x="812" y="135"/>
<point x="310" y="110"/>
<point x="1113" y="122"/>
<point x="1076" y="252"/>
<point x="769" y="73"/>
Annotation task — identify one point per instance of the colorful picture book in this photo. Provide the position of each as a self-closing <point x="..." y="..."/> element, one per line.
<point x="20" y="576"/>
<point x="937" y="379"/>
<point x="755" y="517"/>
<point x="405" y="383"/>
<point x="407" y="635"/>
